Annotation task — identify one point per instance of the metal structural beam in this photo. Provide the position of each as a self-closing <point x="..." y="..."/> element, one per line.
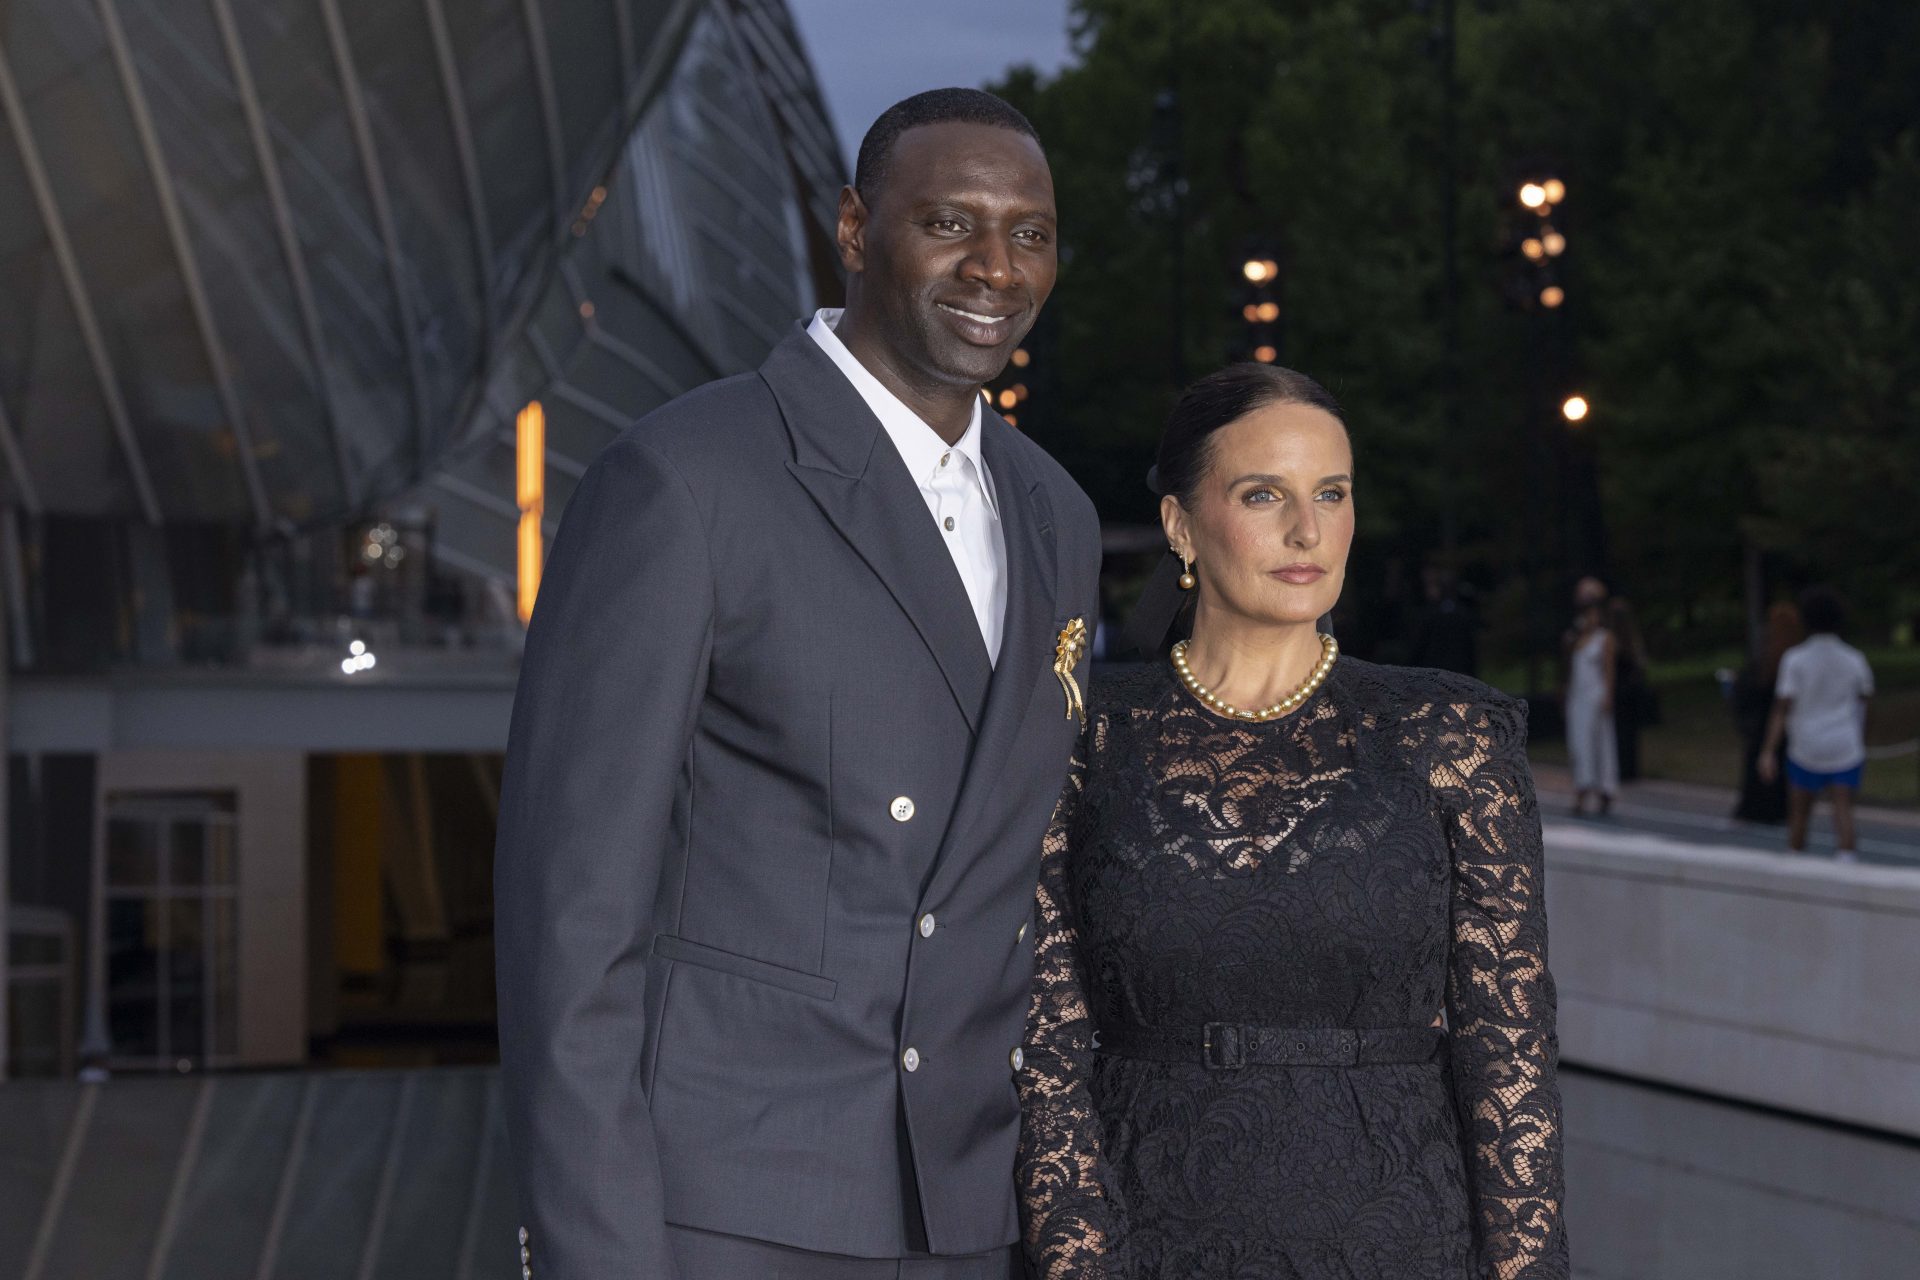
<point x="662" y="48"/>
<point x="183" y="1171"/>
<point x="356" y="105"/>
<point x="389" y="1176"/>
<point x="56" y="1201"/>
<point x="289" y="1175"/>
<point x="623" y="32"/>
<point x="549" y="116"/>
<point x="470" y="179"/>
<point x="103" y="370"/>
<point x="188" y="263"/>
<point x="296" y="262"/>
<point x="23" y="486"/>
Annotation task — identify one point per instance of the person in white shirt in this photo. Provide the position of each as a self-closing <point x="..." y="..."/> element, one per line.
<point x="1820" y="705"/>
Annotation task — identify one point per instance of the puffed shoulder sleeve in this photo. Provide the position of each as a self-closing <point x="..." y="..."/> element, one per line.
<point x="1500" y="995"/>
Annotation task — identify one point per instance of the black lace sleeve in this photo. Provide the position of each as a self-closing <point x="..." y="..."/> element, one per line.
<point x="1070" y="1215"/>
<point x="1500" y="997"/>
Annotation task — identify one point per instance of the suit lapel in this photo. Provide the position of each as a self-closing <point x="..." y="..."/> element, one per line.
<point x="1026" y="646"/>
<point x="865" y="490"/>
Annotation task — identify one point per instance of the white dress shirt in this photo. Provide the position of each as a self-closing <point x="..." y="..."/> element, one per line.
<point x="953" y="479"/>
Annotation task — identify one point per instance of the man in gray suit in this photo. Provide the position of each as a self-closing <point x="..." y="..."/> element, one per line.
<point x="796" y="705"/>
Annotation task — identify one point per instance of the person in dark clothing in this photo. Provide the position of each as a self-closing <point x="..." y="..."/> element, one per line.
<point x="1762" y="800"/>
<point x="1292" y="1018"/>
<point x="1632" y="689"/>
<point x="1446" y="635"/>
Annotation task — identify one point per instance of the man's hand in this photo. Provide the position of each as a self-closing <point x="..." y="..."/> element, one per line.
<point x="1768" y="767"/>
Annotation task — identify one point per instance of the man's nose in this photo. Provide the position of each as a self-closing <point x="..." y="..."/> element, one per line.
<point x="989" y="262"/>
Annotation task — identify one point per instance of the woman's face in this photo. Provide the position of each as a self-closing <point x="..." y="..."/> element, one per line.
<point x="1272" y="522"/>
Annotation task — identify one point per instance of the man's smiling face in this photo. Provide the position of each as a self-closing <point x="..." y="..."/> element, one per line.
<point x="957" y="251"/>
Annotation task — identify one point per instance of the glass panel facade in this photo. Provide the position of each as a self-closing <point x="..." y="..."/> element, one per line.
<point x="171" y="930"/>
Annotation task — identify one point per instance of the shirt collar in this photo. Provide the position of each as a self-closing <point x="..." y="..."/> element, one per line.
<point x="920" y="446"/>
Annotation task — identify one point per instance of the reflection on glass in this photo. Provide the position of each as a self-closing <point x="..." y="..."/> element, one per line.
<point x="186" y="993"/>
<point x="221" y="841"/>
<point x="27" y="949"/>
<point x="225" y="978"/>
<point x="133" y="853"/>
<point x="133" y="977"/>
<point x="35" y="1029"/>
<point x="187" y="842"/>
<point x="172" y="929"/>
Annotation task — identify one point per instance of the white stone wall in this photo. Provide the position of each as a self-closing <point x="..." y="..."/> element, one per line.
<point x="1790" y="981"/>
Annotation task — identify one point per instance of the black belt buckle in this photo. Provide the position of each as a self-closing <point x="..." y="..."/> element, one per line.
<point x="1223" y="1046"/>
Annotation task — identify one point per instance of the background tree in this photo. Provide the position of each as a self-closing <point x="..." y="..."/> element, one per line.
<point x="1739" y="277"/>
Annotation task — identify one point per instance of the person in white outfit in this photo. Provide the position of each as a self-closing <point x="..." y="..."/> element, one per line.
<point x="1592" y="748"/>
<point x="1820" y="705"/>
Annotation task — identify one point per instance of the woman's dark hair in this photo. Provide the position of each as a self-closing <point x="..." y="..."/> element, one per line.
<point x="1186" y="447"/>
<point x="1821" y="610"/>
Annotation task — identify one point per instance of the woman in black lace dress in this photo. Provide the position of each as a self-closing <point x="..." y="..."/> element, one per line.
<point x="1292" y="1015"/>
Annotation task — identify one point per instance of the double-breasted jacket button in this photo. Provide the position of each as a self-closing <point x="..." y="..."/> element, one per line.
<point x="910" y="1059"/>
<point x="1018" y="1058"/>
<point x="901" y="808"/>
<point x="1021" y="936"/>
<point x="523" y="1235"/>
<point x="927" y="925"/>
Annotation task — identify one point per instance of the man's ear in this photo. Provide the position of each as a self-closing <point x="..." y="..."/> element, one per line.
<point x="850" y="231"/>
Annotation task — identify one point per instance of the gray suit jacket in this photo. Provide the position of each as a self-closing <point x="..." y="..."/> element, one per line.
<point x="771" y="819"/>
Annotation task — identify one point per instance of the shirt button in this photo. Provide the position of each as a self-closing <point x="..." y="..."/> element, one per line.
<point x="1017" y="1058"/>
<point x="946" y="457"/>
<point x="927" y="925"/>
<point x="949" y="523"/>
<point x="901" y="808"/>
<point x="910" y="1059"/>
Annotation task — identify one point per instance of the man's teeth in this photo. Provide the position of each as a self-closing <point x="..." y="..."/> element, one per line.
<point x="973" y="316"/>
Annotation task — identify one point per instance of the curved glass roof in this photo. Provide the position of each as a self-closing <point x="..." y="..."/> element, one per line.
<point x="271" y="263"/>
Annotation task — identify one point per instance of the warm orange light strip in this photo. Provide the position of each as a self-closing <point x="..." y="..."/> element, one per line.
<point x="530" y="455"/>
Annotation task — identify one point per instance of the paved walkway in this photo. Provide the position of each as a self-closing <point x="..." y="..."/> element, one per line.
<point x="1689" y="811"/>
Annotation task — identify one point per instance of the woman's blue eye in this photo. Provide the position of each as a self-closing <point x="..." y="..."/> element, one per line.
<point x="1335" y="495"/>
<point x="1259" y="494"/>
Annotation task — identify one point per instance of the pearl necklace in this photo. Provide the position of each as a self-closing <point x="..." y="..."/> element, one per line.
<point x="1329" y="650"/>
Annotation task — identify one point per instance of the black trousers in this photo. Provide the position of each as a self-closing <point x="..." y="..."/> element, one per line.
<point x="709" y="1255"/>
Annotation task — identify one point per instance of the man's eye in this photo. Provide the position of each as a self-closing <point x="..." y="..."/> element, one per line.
<point x="1032" y="235"/>
<point x="947" y="224"/>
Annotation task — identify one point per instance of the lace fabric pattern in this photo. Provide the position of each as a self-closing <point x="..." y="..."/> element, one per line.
<point x="1372" y="860"/>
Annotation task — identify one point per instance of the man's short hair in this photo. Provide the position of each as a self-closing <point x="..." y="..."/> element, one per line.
<point x="1822" y="611"/>
<point x="935" y="106"/>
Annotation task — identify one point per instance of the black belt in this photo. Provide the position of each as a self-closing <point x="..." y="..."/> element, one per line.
<point x="1228" y="1046"/>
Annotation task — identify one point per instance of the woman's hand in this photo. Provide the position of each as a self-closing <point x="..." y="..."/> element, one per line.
<point x="1768" y="767"/>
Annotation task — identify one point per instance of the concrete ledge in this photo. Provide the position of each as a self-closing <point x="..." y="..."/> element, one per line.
<point x="225" y="712"/>
<point x="1781" y="980"/>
